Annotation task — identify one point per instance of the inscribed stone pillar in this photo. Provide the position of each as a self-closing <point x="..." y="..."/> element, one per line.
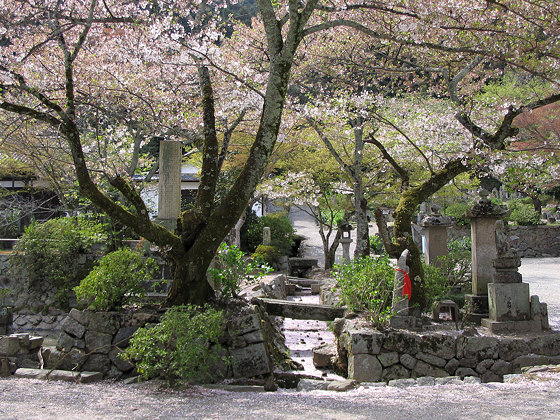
<point x="483" y="215"/>
<point x="169" y="187"/>
<point x="435" y="231"/>
<point x="267" y="236"/>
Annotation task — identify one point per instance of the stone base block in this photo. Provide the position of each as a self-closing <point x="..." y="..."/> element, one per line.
<point x="497" y="327"/>
<point x="476" y="318"/>
<point x="478" y="303"/>
<point x="509" y="302"/>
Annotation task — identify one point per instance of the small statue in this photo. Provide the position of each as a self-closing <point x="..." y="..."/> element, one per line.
<point x="502" y="245"/>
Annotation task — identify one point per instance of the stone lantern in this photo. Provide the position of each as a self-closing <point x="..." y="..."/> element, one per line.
<point x="346" y="240"/>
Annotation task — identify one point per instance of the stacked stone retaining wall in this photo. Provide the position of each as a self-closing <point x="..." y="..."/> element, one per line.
<point x="374" y="356"/>
<point x="92" y="341"/>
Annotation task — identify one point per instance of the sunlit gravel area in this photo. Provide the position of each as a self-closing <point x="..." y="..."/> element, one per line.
<point x="33" y="399"/>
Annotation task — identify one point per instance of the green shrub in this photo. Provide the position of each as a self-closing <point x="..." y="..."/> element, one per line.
<point x="231" y="268"/>
<point x="267" y="253"/>
<point x="281" y="232"/>
<point x="117" y="280"/>
<point x="523" y="214"/>
<point x="183" y="345"/>
<point x="366" y="284"/>
<point x="376" y="244"/>
<point x="454" y="270"/>
<point x="55" y="251"/>
<point x="457" y="211"/>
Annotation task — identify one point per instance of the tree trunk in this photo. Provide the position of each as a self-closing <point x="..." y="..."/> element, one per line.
<point x="362" y="228"/>
<point x="360" y="203"/>
<point x="187" y="286"/>
<point x="330" y="252"/>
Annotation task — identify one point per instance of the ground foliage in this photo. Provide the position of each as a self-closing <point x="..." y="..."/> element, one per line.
<point x="184" y="345"/>
<point x="366" y="284"/>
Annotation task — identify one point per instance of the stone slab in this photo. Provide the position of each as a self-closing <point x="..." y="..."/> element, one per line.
<point x="63" y="375"/>
<point x="341" y="386"/>
<point x="31" y="373"/>
<point x="303" y="282"/>
<point x="250" y="361"/>
<point x="306" y="385"/>
<point x="297" y="310"/>
<point x="505" y="327"/>
<point x="87" y="377"/>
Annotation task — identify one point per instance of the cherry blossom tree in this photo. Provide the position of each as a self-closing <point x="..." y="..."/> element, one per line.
<point x="61" y="61"/>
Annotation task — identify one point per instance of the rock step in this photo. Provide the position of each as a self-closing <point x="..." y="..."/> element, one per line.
<point x="298" y="310"/>
<point x="303" y="282"/>
<point x="85" y="377"/>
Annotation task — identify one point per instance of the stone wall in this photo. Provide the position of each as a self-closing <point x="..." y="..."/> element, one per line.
<point x="529" y="241"/>
<point x="535" y="241"/>
<point x="91" y="341"/>
<point x="374" y="356"/>
<point x="18" y="350"/>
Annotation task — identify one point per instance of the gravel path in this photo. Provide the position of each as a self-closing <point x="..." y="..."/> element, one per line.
<point x="33" y="399"/>
<point x="543" y="276"/>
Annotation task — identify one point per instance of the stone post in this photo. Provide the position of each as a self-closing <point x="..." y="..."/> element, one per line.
<point x="169" y="186"/>
<point x="267" y="237"/>
<point x="483" y="215"/>
<point x="435" y="231"/>
<point x="510" y="308"/>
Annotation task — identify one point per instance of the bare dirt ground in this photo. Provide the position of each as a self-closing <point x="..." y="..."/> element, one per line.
<point x="530" y="398"/>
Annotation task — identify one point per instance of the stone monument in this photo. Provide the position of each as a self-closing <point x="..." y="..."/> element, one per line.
<point x="483" y="215"/>
<point x="169" y="186"/>
<point x="435" y="231"/>
<point x="510" y="308"/>
<point x="267" y="236"/>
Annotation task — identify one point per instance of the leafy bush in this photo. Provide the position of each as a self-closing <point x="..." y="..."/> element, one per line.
<point x="55" y="251"/>
<point x="231" y="267"/>
<point x="376" y="244"/>
<point x="281" y="232"/>
<point x="454" y="270"/>
<point x="523" y="214"/>
<point x="184" y="345"/>
<point x="457" y="211"/>
<point x="267" y="253"/>
<point x="366" y="284"/>
<point x="117" y="280"/>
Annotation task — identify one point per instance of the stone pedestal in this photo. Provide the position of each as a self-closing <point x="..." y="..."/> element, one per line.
<point x="435" y="231"/>
<point x="509" y="301"/>
<point x="483" y="215"/>
<point x="508" y="297"/>
<point x="169" y="186"/>
<point x="345" y="242"/>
